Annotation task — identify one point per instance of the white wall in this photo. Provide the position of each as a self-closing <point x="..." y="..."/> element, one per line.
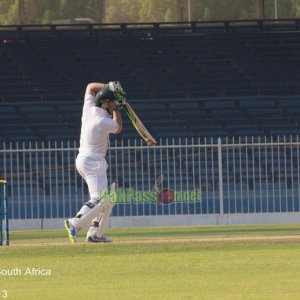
<point x="179" y="220"/>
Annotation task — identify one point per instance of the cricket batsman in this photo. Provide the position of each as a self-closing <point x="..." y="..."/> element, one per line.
<point x="100" y="118"/>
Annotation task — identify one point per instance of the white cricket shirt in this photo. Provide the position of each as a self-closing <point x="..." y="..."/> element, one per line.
<point x="96" y="125"/>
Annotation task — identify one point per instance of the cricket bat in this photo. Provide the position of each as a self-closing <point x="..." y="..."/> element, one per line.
<point x="138" y="125"/>
<point x="158" y="183"/>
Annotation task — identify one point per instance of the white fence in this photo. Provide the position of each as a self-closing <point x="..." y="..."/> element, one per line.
<point x="205" y="181"/>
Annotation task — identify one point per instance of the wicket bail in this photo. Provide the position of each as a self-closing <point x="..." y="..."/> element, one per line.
<point x="3" y="213"/>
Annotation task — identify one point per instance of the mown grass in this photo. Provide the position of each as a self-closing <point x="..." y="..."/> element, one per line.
<point x="157" y="263"/>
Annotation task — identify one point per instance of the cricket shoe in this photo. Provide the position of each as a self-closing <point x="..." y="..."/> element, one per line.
<point x="71" y="231"/>
<point x="96" y="239"/>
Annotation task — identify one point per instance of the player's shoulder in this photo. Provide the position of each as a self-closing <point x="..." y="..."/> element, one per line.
<point x="89" y="101"/>
<point x="89" y="97"/>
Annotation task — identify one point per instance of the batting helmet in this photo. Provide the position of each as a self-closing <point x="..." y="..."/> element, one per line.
<point x="103" y="96"/>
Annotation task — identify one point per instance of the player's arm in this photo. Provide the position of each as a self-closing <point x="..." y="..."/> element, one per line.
<point x="118" y="119"/>
<point x="94" y="87"/>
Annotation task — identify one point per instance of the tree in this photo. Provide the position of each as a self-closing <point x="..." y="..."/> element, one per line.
<point x="212" y="10"/>
<point x="139" y="11"/>
<point x="8" y="12"/>
<point x="158" y="11"/>
<point x="122" y="11"/>
<point x="48" y="10"/>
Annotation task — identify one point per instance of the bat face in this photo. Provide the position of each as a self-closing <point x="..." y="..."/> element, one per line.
<point x="151" y="142"/>
<point x="139" y="126"/>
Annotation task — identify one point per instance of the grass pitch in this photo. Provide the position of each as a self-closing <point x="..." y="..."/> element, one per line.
<point x="231" y="262"/>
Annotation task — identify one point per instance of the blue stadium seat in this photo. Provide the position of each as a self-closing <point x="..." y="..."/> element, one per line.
<point x="220" y="83"/>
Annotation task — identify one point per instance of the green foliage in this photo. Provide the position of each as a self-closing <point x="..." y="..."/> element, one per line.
<point x="43" y="12"/>
<point x="139" y="11"/>
<point x="158" y="11"/>
<point x="227" y="10"/>
<point x="8" y="12"/>
<point x="122" y="11"/>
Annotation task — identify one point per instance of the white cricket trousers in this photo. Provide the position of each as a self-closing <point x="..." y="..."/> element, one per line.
<point x="94" y="172"/>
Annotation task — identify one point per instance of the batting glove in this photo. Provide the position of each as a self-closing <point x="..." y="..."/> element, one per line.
<point x="115" y="86"/>
<point x="120" y="97"/>
<point x="119" y="107"/>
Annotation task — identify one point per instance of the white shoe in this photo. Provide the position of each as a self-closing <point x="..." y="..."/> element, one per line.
<point x="96" y="239"/>
<point x="71" y="231"/>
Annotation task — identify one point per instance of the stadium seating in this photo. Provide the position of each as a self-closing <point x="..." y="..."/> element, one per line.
<point x="215" y="84"/>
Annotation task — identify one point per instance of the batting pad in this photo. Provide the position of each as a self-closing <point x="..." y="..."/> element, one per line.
<point x="103" y="224"/>
<point x="103" y="217"/>
<point x="100" y="208"/>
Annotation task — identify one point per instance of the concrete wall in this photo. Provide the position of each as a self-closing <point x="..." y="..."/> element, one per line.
<point x="180" y="220"/>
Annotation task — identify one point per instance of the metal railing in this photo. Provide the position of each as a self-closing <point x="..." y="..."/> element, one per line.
<point x="201" y="176"/>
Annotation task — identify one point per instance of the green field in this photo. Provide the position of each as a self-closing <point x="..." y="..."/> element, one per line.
<point x="230" y="262"/>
